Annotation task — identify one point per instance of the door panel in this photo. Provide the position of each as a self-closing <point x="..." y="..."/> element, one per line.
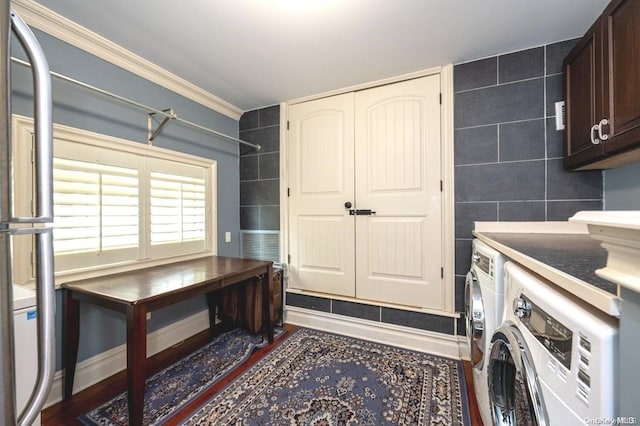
<point x="621" y="62"/>
<point x="398" y="172"/>
<point x="321" y="177"/>
<point x="582" y="86"/>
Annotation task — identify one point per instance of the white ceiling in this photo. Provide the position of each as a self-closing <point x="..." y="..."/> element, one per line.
<point x="254" y="53"/>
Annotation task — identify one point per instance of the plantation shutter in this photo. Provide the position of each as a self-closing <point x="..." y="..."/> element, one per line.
<point x="95" y="207"/>
<point x="178" y="206"/>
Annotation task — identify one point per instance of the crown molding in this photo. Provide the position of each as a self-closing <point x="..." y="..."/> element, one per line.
<point x="70" y="32"/>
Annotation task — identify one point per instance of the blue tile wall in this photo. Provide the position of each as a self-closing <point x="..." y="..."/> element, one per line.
<point x="382" y="314"/>
<point x="260" y="170"/>
<point x="508" y="155"/>
<point x="309" y="302"/>
<point x="521" y="65"/>
<point x="508" y="167"/>
<point x="429" y="322"/>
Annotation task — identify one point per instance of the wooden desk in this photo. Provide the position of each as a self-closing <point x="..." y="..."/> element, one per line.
<point x="137" y="292"/>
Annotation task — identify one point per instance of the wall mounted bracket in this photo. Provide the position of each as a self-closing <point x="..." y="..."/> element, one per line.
<point x="152" y="134"/>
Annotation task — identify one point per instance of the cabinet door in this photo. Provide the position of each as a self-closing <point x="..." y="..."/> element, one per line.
<point x="621" y="61"/>
<point x="399" y="248"/>
<point x="583" y="98"/>
<point x="321" y="231"/>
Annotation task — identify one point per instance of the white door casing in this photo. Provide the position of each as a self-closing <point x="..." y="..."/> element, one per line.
<point x="321" y="181"/>
<point x="398" y="173"/>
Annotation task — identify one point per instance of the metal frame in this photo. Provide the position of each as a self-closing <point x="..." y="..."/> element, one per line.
<point x="154" y="134"/>
<point x="43" y="215"/>
<point x="168" y="114"/>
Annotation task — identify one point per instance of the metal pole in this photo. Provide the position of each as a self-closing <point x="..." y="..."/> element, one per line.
<point x="7" y="364"/>
<point x="141" y="106"/>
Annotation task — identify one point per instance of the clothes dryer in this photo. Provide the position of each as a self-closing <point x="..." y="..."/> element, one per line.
<point x="484" y="299"/>
<point x="553" y="360"/>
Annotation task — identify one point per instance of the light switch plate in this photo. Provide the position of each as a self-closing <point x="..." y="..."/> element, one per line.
<point x="227" y="237"/>
<point x="560" y="114"/>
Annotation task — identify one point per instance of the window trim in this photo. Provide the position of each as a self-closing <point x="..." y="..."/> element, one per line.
<point x="23" y="128"/>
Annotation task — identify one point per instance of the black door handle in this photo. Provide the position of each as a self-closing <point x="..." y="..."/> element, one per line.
<point x="362" y="212"/>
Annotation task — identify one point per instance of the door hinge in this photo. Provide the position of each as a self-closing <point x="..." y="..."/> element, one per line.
<point x="441" y="272"/>
<point x="441" y="186"/>
<point x="287" y="124"/>
<point x="288" y="192"/>
<point x="288" y="258"/>
<point x="440" y="98"/>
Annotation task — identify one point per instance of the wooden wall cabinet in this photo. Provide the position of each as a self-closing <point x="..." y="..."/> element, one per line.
<point x="602" y="92"/>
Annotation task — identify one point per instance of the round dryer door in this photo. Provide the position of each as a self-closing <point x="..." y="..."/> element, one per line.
<point x="514" y="393"/>
<point x="474" y="311"/>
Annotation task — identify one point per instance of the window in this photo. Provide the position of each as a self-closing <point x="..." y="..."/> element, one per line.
<point x="177" y="208"/>
<point x="96" y="207"/>
<point x="120" y="204"/>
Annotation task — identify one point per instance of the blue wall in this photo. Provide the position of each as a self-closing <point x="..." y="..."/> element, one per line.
<point x="622" y="188"/>
<point x="80" y="108"/>
<point x="622" y="192"/>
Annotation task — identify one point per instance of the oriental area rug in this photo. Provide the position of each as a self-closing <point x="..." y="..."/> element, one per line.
<point x="318" y="378"/>
<point x="167" y="391"/>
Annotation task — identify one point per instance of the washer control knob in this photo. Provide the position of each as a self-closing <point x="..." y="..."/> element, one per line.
<point x="521" y="308"/>
<point x="475" y="258"/>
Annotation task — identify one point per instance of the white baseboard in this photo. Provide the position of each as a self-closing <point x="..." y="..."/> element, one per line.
<point x="390" y="334"/>
<point x="465" y="351"/>
<point x="108" y="363"/>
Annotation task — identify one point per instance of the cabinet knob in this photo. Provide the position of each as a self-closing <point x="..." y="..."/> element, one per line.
<point x="602" y="136"/>
<point x="347" y="205"/>
<point x="594" y="141"/>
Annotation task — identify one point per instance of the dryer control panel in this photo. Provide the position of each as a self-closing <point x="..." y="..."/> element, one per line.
<point x="551" y="333"/>
<point x="485" y="263"/>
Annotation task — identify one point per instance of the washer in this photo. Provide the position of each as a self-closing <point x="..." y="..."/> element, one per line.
<point x="484" y="300"/>
<point x="553" y="360"/>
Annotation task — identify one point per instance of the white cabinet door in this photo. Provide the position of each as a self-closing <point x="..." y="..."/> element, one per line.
<point x="398" y="172"/>
<point x="321" y="181"/>
<point x="380" y="150"/>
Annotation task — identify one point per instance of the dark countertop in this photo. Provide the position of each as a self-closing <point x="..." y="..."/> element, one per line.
<point x="567" y="260"/>
<point x="575" y="254"/>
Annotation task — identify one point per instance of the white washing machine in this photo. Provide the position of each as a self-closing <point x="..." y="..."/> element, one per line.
<point x="552" y="362"/>
<point x="484" y="301"/>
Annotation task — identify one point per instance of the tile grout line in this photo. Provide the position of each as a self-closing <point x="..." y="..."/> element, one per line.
<point x="502" y="122"/>
<point x="546" y="166"/>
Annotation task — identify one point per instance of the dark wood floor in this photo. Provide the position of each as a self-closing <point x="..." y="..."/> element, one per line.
<point x="66" y="413"/>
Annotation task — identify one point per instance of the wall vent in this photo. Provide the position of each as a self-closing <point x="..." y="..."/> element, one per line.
<point x="263" y="245"/>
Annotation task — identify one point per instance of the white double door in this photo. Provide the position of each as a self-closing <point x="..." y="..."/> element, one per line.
<point x="379" y="150"/>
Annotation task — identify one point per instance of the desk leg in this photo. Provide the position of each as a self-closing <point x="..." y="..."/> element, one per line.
<point x="136" y="361"/>
<point x="267" y="302"/>
<point x="71" y="330"/>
